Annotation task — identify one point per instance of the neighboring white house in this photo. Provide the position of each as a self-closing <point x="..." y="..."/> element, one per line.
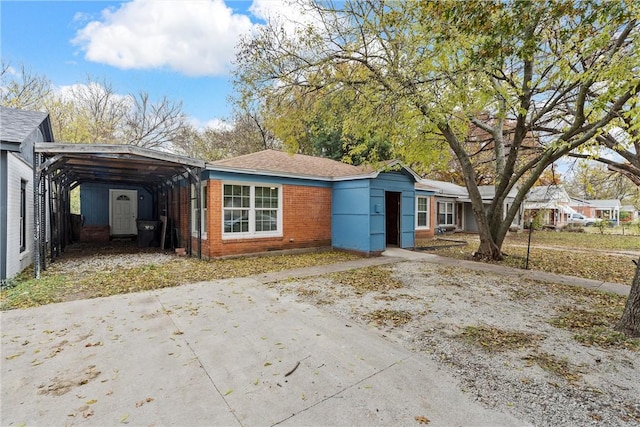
<point x="555" y="206"/>
<point x="19" y="130"/>
<point x="549" y="202"/>
<point x="607" y="209"/>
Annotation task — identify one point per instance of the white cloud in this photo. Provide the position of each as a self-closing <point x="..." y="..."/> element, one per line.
<point x="266" y="9"/>
<point x="215" y="124"/>
<point x="194" y="37"/>
<point x="287" y="13"/>
<point x="11" y="71"/>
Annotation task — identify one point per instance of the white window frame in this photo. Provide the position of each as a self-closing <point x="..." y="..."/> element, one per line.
<point x="23" y="216"/>
<point x="194" y="210"/>
<point x="252" y="233"/>
<point x="447" y="211"/>
<point x="427" y="226"/>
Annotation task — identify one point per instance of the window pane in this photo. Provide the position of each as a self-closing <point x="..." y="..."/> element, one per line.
<point x="236" y="221"/>
<point x="236" y="196"/>
<point x="422" y="204"/>
<point x="422" y="219"/>
<point x="266" y="220"/>
<point x="266" y="197"/>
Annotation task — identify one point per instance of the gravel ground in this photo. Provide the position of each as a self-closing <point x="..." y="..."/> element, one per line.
<point x="552" y="380"/>
<point x="106" y="256"/>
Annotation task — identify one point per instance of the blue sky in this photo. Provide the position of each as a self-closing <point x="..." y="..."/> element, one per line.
<point x="180" y="49"/>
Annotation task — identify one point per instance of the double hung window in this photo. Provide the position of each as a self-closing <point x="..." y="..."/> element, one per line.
<point x="422" y="212"/>
<point x="445" y="213"/>
<point x="251" y="210"/>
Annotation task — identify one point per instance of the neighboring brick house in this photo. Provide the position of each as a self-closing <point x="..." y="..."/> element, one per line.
<point x="19" y="130"/>
<point x="452" y="207"/>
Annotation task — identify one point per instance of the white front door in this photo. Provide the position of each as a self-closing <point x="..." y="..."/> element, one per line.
<point x="123" y="212"/>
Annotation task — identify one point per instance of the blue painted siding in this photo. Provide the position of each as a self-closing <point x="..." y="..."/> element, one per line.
<point x="94" y="203"/>
<point x="408" y="220"/>
<point x="359" y="217"/>
<point x="350" y="215"/>
<point x="377" y="206"/>
<point x="396" y="182"/>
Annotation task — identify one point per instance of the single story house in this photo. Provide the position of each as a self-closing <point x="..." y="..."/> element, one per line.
<point x="550" y="203"/>
<point x="453" y="207"/>
<point x="273" y="200"/>
<point x="264" y="201"/>
<point x="555" y="206"/>
<point x="607" y="209"/>
<point x="19" y="130"/>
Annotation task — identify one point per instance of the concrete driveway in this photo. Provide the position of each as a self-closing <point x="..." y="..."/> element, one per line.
<point x="218" y="353"/>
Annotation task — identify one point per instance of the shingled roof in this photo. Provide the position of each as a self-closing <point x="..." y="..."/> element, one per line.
<point x="290" y="164"/>
<point x="17" y="125"/>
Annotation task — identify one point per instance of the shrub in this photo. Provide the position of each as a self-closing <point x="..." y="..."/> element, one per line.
<point x="573" y="228"/>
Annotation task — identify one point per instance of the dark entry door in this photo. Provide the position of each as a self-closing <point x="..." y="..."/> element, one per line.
<point x="392" y="217"/>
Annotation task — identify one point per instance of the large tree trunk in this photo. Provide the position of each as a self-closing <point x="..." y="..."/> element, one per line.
<point x="488" y="250"/>
<point x="629" y="323"/>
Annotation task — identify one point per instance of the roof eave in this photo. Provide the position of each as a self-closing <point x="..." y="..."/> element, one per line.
<point x="229" y="169"/>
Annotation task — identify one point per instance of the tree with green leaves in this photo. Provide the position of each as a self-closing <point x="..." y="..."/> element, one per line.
<point x="424" y="73"/>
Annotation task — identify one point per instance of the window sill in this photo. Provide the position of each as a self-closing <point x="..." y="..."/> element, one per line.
<point x="24" y="254"/>
<point x="195" y="235"/>
<point x="252" y="238"/>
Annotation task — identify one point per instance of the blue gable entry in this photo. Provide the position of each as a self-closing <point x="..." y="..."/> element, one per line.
<point x="368" y="214"/>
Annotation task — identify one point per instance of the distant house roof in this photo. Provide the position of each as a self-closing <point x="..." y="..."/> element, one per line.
<point x="291" y="164"/>
<point x="420" y="185"/>
<point x="445" y="188"/>
<point x="579" y="202"/>
<point x="548" y="193"/>
<point x="17" y="125"/>
<point x="605" y="204"/>
<point x="488" y="192"/>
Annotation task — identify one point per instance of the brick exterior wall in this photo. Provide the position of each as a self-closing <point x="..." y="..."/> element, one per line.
<point x="306" y="222"/>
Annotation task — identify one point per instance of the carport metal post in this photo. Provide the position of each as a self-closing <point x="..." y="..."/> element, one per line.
<point x="36" y="217"/>
<point x="53" y="227"/>
<point x="39" y="213"/>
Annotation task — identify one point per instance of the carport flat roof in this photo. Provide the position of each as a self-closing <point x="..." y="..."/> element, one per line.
<point x="125" y="164"/>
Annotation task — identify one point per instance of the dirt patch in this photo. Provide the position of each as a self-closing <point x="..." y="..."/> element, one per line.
<point x="512" y="342"/>
<point x="63" y="384"/>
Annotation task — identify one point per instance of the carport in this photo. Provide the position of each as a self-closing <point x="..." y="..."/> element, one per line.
<point x="59" y="168"/>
